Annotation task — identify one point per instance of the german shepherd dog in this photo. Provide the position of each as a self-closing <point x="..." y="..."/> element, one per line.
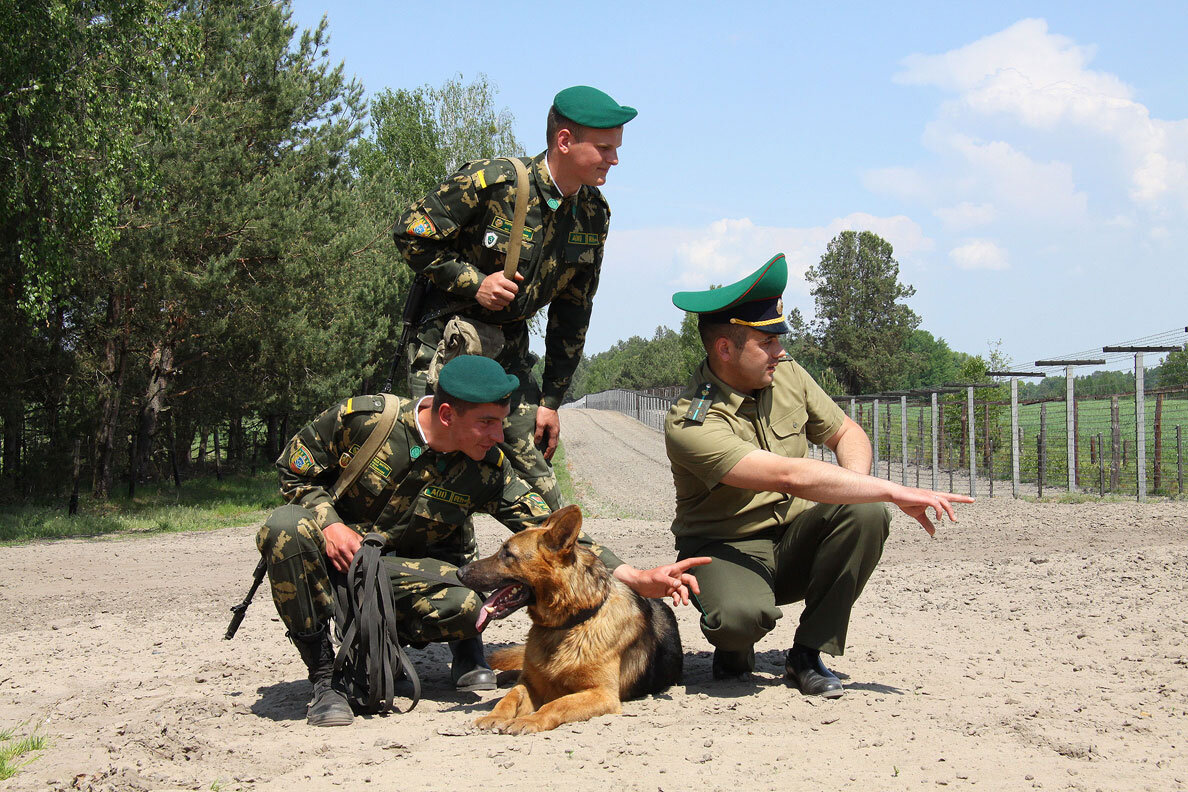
<point x="593" y="642"/>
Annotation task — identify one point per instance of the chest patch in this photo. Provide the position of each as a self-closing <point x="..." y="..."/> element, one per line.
<point x="584" y="238"/>
<point x="447" y="496"/>
<point x="503" y="224"/>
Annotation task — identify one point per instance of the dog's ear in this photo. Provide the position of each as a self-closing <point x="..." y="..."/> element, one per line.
<point x="563" y="526"/>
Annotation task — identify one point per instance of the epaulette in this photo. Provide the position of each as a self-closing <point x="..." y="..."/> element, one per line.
<point x="700" y="403"/>
<point x="362" y="404"/>
<point x="494" y="457"/>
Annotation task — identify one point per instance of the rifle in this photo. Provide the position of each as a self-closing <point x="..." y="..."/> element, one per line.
<point x="417" y="291"/>
<point x="240" y="609"/>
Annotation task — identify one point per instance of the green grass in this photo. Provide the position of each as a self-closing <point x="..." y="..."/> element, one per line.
<point x="564" y="479"/>
<point x="202" y="504"/>
<point x="12" y="748"/>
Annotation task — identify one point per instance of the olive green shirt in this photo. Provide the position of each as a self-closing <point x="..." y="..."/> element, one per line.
<point x="418" y="498"/>
<point x="782" y="418"/>
<point x="459" y="234"/>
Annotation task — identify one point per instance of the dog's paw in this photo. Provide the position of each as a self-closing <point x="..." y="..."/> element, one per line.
<point x="491" y="723"/>
<point x="522" y="726"/>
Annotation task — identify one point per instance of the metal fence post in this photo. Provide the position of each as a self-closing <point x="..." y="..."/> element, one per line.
<point x="1140" y="425"/>
<point x="903" y="437"/>
<point x="935" y="450"/>
<point x="970" y="424"/>
<point x="1070" y="411"/>
<point x="875" y="418"/>
<point x="1015" y="436"/>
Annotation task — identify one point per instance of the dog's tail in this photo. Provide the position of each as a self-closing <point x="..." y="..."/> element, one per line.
<point x="509" y="659"/>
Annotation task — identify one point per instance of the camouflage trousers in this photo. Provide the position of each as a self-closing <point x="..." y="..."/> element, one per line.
<point x="520" y="424"/>
<point x="303" y="582"/>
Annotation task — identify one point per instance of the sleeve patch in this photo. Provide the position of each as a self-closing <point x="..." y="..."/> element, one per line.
<point x="421" y="226"/>
<point x="538" y="502"/>
<point x="301" y="460"/>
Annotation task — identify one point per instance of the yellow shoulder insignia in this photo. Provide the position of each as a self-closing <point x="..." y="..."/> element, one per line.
<point x="360" y="404"/>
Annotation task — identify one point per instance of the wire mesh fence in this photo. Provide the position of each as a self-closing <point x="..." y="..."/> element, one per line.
<point x="943" y="444"/>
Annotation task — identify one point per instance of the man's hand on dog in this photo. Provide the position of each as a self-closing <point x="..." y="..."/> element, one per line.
<point x="341" y="545"/>
<point x="669" y="580"/>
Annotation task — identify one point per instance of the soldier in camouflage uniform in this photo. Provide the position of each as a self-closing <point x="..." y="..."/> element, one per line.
<point x="439" y="464"/>
<point x="458" y="237"/>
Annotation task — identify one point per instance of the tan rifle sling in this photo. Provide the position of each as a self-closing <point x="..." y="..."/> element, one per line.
<point x="369" y="448"/>
<point x="517" y="233"/>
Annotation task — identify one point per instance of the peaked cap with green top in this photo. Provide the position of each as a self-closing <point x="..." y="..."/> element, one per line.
<point x="476" y="379"/>
<point x="755" y="301"/>
<point x="591" y="107"/>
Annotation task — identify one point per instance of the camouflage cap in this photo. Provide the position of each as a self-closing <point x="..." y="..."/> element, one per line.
<point x="476" y="379"/>
<point x="755" y="301"/>
<point x="591" y="107"/>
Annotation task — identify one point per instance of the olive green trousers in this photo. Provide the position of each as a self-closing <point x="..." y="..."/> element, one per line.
<point x="823" y="556"/>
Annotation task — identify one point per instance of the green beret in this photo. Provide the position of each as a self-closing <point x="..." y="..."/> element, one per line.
<point x="755" y="301"/>
<point x="591" y="107"/>
<point x="475" y="379"/>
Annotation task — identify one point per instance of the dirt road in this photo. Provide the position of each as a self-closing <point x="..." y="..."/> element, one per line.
<point x="1027" y="646"/>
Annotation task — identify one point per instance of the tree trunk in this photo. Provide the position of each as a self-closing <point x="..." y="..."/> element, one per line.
<point x="111" y="390"/>
<point x="160" y="374"/>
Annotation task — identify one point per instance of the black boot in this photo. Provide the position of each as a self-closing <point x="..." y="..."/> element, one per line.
<point x="732" y="665"/>
<point x="804" y="667"/>
<point x="328" y="707"/>
<point x="470" y="670"/>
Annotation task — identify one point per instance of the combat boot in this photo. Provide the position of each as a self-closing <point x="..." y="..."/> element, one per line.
<point x="328" y="707"/>
<point x="469" y="670"/>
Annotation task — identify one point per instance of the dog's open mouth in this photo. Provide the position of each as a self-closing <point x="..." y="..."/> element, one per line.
<point x="503" y="602"/>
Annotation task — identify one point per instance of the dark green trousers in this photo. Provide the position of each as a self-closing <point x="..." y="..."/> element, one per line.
<point x="302" y="581"/>
<point x="824" y="556"/>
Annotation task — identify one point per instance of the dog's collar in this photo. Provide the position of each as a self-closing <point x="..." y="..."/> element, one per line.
<point x="583" y="615"/>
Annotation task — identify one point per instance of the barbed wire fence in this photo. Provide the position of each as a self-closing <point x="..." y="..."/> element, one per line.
<point x="946" y="437"/>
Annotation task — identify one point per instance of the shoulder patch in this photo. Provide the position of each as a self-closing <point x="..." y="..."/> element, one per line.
<point x="300" y="460"/>
<point x="538" y="502"/>
<point x="362" y="404"/>
<point x="700" y="403"/>
<point x="420" y="225"/>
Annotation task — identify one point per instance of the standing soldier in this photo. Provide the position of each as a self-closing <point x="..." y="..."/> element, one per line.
<point x="438" y="465"/>
<point x="458" y="238"/>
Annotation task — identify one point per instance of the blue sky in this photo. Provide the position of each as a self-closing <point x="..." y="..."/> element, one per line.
<point x="1028" y="161"/>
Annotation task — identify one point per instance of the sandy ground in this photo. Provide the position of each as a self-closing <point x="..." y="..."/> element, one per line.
<point x="1027" y="646"/>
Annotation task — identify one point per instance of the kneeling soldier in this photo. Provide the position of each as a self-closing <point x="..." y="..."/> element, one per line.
<point x="437" y="466"/>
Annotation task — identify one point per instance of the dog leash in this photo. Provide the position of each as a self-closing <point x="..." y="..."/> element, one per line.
<point x="370" y="642"/>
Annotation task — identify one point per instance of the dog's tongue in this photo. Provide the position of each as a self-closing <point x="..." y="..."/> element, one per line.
<point x="495" y="607"/>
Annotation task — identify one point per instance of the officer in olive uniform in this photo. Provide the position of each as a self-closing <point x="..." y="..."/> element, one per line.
<point x="439" y="464"/>
<point x="458" y="237"/>
<point x="781" y="527"/>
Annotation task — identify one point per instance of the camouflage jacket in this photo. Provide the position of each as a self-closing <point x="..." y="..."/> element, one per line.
<point x="458" y="234"/>
<point x="416" y="497"/>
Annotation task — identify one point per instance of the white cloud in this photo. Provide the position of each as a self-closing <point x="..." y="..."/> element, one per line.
<point x="728" y="249"/>
<point x="978" y="254"/>
<point x="966" y="215"/>
<point x="1043" y="81"/>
